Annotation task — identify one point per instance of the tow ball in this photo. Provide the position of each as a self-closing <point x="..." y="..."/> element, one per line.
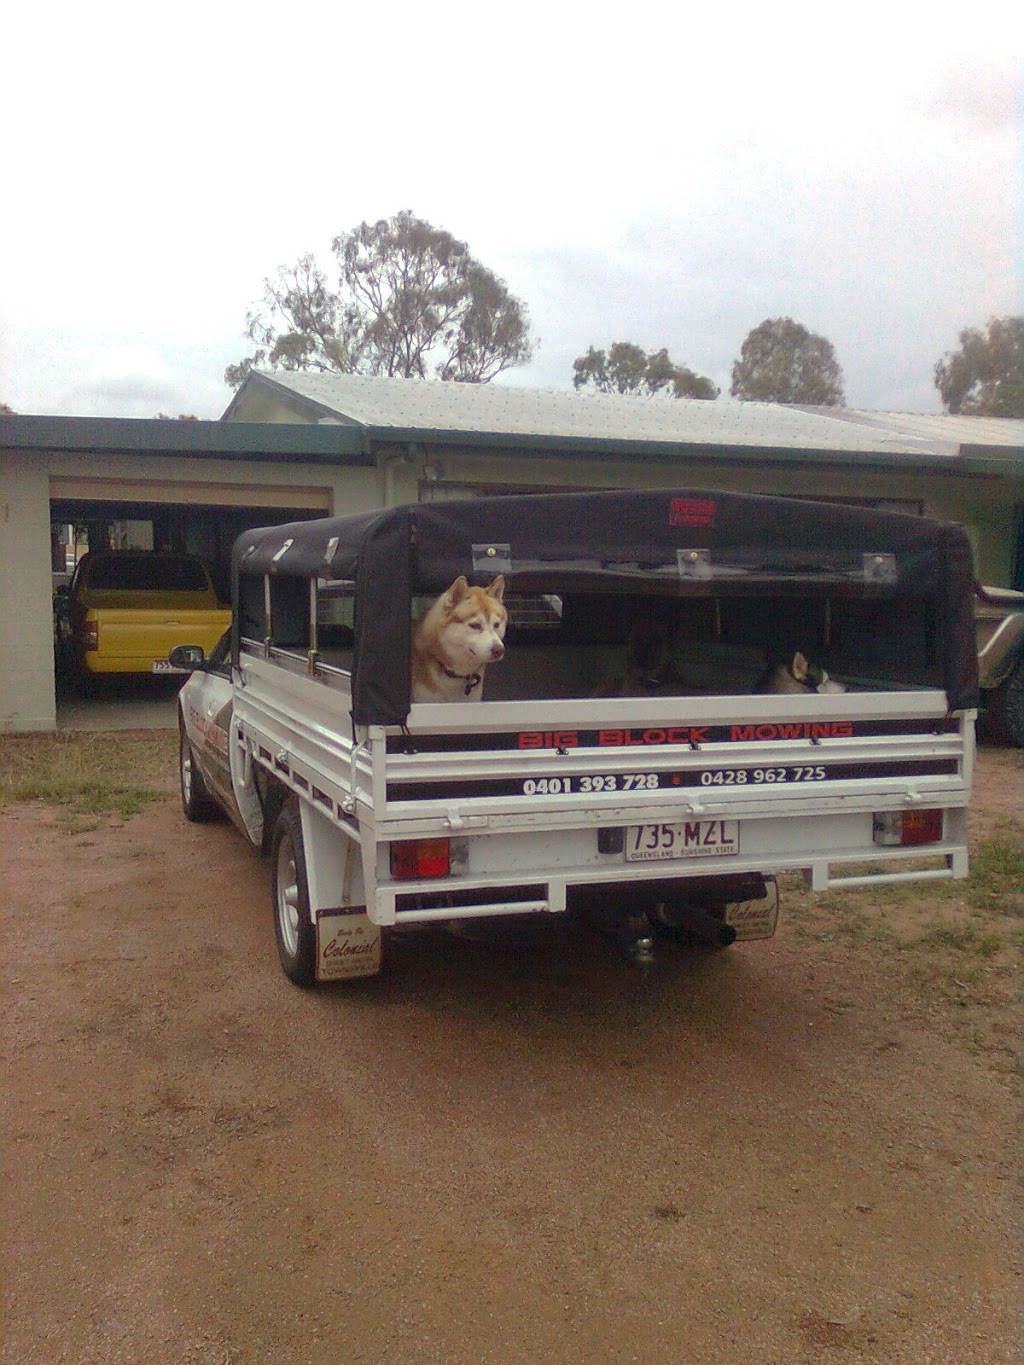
<point x="636" y="939"/>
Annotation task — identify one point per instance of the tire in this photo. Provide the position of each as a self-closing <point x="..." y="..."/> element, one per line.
<point x="1006" y="708"/>
<point x="86" y="684"/>
<point x="196" y="802"/>
<point x="293" y="925"/>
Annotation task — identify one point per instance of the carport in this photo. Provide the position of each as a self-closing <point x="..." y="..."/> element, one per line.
<point x="182" y="485"/>
<point x="197" y="519"/>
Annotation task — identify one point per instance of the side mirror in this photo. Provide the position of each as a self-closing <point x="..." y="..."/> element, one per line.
<point x="190" y="658"/>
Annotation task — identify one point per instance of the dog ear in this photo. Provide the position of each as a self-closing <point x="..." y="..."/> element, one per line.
<point x="457" y="591"/>
<point x="800" y="667"/>
<point x="497" y="588"/>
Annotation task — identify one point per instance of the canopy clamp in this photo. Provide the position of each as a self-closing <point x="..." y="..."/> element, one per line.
<point x="694" y="563"/>
<point x="880" y="568"/>
<point x="492" y="558"/>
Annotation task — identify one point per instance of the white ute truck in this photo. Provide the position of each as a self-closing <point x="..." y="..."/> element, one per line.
<point x="655" y="788"/>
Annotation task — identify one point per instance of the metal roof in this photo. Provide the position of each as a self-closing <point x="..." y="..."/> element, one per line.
<point x="431" y="408"/>
<point x="994" y="433"/>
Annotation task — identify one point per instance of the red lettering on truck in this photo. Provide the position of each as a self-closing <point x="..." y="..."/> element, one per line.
<point x="684" y="734"/>
<point x="548" y="739"/>
<point x="831" y="729"/>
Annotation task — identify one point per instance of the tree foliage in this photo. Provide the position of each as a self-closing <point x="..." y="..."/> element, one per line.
<point x="411" y="300"/>
<point x="985" y="377"/>
<point x="782" y="362"/>
<point x="627" y="368"/>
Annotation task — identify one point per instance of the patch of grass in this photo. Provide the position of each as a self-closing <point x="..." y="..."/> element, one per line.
<point x="961" y="938"/>
<point x="996" y="884"/>
<point x="971" y="915"/>
<point x="89" y="774"/>
<point x="861" y="922"/>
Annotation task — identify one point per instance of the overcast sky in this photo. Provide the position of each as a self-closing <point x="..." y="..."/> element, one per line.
<point x="658" y="175"/>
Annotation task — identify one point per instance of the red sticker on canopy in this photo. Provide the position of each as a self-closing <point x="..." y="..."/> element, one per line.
<point x="692" y="512"/>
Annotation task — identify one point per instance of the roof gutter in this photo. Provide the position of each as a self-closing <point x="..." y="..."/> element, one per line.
<point x="298" y="442"/>
<point x="976" y="462"/>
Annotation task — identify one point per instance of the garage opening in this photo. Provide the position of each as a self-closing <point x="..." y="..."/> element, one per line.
<point x="203" y="520"/>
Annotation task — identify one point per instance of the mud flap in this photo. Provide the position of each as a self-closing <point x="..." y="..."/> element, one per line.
<point x="347" y="944"/>
<point x="755" y="918"/>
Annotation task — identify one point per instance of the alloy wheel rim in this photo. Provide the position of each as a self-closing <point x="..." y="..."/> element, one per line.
<point x="288" y="898"/>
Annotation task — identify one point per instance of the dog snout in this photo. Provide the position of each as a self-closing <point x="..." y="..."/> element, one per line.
<point x="497" y="650"/>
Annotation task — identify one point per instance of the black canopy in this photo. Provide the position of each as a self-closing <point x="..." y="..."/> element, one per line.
<point x="676" y="542"/>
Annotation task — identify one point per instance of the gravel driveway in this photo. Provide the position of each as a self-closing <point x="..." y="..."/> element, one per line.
<point x="497" y="1152"/>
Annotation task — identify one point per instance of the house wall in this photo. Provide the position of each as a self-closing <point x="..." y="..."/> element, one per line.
<point x="26" y="620"/>
<point x="186" y="481"/>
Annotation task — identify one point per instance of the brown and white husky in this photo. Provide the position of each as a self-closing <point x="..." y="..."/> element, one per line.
<point x="453" y="644"/>
<point x="799" y="675"/>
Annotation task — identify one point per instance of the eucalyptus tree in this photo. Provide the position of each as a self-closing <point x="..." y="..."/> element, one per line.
<point x="782" y="362"/>
<point x="985" y="377"/>
<point x="410" y="300"/>
<point x="628" y="368"/>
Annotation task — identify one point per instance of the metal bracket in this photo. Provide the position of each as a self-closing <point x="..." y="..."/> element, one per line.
<point x="494" y="558"/>
<point x="879" y="568"/>
<point x="694" y="563"/>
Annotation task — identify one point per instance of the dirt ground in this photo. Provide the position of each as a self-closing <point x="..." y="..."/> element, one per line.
<point x="800" y="1150"/>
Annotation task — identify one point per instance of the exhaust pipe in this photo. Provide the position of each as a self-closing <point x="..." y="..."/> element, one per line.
<point x="695" y="921"/>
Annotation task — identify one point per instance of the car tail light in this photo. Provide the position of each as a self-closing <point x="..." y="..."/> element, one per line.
<point x="91" y="635"/>
<point x="413" y="859"/>
<point x="903" y="828"/>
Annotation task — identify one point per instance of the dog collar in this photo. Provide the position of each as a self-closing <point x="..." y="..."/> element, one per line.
<point x="470" y="679"/>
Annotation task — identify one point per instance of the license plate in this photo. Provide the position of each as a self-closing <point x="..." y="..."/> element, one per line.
<point x="686" y="839"/>
<point x="164" y="666"/>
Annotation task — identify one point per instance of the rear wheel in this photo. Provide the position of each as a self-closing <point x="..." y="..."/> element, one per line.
<point x="293" y="925"/>
<point x="196" y="801"/>
<point x="86" y="683"/>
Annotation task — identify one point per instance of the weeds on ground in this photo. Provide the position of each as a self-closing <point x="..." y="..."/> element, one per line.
<point x="996" y="882"/>
<point x="964" y="915"/>
<point x="88" y="774"/>
<point x="954" y="947"/>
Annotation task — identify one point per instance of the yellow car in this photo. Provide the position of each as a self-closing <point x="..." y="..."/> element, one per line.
<point x="125" y="610"/>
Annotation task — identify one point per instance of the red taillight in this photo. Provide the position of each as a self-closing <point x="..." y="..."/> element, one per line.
<point x="91" y="635"/>
<point x="905" y="828"/>
<point x="413" y="859"/>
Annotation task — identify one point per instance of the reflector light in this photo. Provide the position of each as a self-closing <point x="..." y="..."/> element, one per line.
<point x="922" y="826"/>
<point x="907" y="828"/>
<point x="91" y="635"/>
<point x="415" y="858"/>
